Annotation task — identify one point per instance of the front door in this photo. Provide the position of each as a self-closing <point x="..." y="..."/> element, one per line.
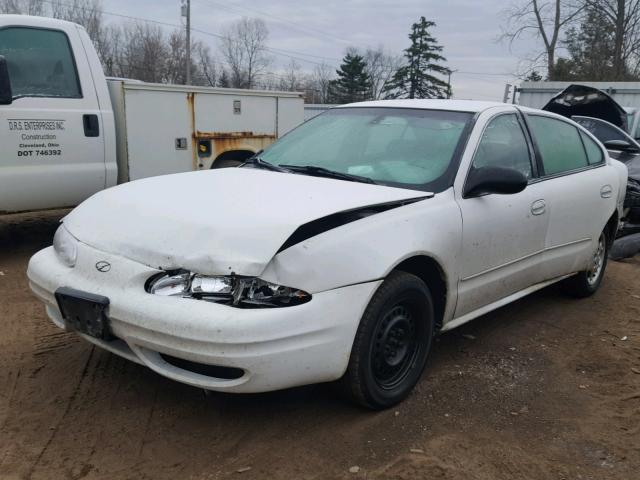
<point x="502" y="235"/>
<point x="52" y="142"/>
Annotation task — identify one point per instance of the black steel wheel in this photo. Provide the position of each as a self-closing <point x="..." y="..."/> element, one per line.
<point x="395" y="346"/>
<point x="392" y="343"/>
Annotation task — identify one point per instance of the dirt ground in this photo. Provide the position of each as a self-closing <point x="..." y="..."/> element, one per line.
<point x="546" y="388"/>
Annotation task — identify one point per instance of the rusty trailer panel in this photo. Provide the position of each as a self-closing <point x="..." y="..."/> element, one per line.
<point x="211" y="146"/>
<point x="172" y="128"/>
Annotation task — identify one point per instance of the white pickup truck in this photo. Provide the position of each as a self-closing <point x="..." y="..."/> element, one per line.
<point x="67" y="132"/>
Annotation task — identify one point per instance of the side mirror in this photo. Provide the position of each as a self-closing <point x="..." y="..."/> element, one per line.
<point x="6" y="97"/>
<point x="485" y="180"/>
<point x="620" y="145"/>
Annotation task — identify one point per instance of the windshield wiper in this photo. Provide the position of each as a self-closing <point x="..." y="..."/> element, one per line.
<point x="325" y="172"/>
<point x="257" y="162"/>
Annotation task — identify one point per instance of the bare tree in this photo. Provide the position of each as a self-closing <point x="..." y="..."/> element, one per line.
<point x="176" y="58"/>
<point x="110" y="50"/>
<point x="293" y="79"/>
<point x="206" y="71"/>
<point x="544" y="19"/>
<point x="203" y="71"/>
<point x="381" y="66"/>
<point x="244" y="48"/>
<point x="24" y="7"/>
<point x="319" y="82"/>
<point x="144" y="52"/>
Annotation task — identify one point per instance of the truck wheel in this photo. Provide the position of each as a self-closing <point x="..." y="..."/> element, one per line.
<point x="392" y="343"/>
<point x="585" y="284"/>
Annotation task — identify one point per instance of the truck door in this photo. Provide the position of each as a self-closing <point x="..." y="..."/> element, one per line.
<point x="52" y="142"/>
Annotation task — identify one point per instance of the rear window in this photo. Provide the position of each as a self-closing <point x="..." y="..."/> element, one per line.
<point x="40" y="63"/>
<point x="559" y="144"/>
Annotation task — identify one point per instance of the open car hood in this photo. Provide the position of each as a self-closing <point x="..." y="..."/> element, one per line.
<point x="587" y="102"/>
<point x="222" y="221"/>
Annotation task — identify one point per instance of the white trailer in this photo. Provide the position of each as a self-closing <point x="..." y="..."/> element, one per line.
<point x="163" y="129"/>
<point x="66" y="132"/>
<point x="627" y="94"/>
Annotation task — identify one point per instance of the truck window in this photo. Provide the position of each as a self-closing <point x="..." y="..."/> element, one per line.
<point x="40" y="63"/>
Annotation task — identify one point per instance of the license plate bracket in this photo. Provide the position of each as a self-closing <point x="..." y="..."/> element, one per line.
<point x="84" y="312"/>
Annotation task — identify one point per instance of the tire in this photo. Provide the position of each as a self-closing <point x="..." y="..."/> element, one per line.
<point x="392" y="343"/>
<point x="585" y="284"/>
<point x="226" y="163"/>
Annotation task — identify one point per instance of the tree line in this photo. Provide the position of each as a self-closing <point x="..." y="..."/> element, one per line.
<point x="145" y="51"/>
<point x="597" y="40"/>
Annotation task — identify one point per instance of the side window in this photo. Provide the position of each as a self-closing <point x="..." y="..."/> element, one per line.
<point x="40" y="63"/>
<point x="503" y="144"/>
<point x="559" y="144"/>
<point x="594" y="154"/>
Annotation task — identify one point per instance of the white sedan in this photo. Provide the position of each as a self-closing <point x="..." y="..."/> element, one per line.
<point x="341" y="250"/>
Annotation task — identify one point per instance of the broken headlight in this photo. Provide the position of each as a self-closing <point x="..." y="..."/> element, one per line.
<point x="243" y="292"/>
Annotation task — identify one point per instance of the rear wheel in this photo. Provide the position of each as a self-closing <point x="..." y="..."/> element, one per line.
<point x="587" y="283"/>
<point x="392" y="343"/>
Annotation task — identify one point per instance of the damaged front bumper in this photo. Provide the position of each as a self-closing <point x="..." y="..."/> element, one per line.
<point x="208" y="345"/>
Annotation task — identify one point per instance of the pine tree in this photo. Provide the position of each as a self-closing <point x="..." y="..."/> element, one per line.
<point x="353" y="83"/>
<point x="415" y="79"/>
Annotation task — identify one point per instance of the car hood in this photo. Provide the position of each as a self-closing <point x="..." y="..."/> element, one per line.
<point x="587" y="102"/>
<point x="216" y="222"/>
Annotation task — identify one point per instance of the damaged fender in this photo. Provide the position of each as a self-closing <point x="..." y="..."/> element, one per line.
<point x="370" y="248"/>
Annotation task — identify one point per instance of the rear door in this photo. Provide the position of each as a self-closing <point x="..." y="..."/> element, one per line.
<point x="51" y="135"/>
<point x="578" y="190"/>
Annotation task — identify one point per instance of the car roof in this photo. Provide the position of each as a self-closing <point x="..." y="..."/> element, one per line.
<point x="430" y="104"/>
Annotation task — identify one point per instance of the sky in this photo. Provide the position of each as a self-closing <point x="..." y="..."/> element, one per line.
<point x="321" y="31"/>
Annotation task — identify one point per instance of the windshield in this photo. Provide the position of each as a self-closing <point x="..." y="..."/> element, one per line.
<point x="410" y="148"/>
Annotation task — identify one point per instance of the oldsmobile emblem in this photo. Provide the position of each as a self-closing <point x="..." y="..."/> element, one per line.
<point x="103" y="266"/>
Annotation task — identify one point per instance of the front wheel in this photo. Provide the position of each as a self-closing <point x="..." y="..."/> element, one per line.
<point x="586" y="283"/>
<point x="392" y="343"/>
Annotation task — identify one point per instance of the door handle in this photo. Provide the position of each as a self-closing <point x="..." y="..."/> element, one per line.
<point x="606" y="191"/>
<point x="91" y="125"/>
<point x="538" y="207"/>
